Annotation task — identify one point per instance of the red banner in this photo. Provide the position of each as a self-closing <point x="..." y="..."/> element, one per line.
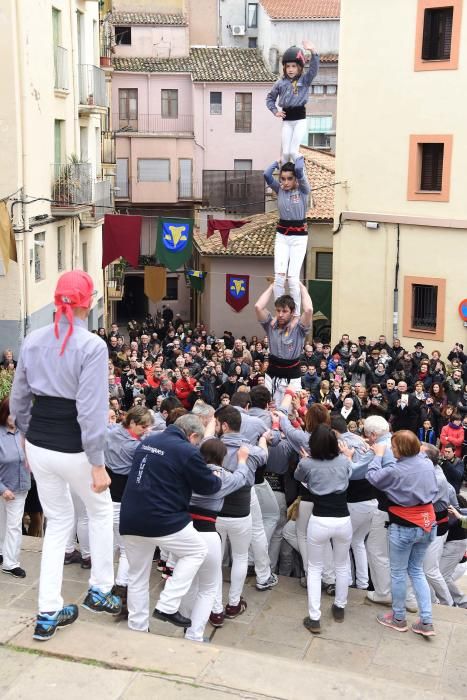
<point x="237" y="291"/>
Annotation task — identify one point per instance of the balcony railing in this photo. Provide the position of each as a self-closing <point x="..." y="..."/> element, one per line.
<point x="71" y="184"/>
<point x="92" y="89"/>
<point x="61" y="68"/>
<point x="240" y="191"/>
<point x="190" y="190"/>
<point x="155" y="124"/>
<point x="108" y="156"/>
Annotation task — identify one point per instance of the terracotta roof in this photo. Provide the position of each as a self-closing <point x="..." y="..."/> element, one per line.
<point x="257" y="237"/>
<point x="155" y="18"/>
<point x="231" y="65"/>
<point x="302" y="9"/>
<point x="329" y="58"/>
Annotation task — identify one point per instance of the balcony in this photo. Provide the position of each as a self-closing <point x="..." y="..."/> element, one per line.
<point x="92" y="89"/>
<point x="238" y="191"/>
<point x="157" y="124"/>
<point x="190" y="191"/>
<point x="71" y="188"/>
<point x="101" y="204"/>
<point x="115" y="281"/>
<point x="108" y="156"/>
<point x="61" y="68"/>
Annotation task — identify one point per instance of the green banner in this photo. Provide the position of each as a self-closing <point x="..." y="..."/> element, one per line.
<point x="196" y="279"/>
<point x="174" y="242"/>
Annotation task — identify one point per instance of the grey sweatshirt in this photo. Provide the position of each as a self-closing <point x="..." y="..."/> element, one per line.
<point x="292" y="204"/>
<point x="243" y="476"/>
<point x="283" y="92"/>
<point x="120" y="448"/>
<point x="324" y="476"/>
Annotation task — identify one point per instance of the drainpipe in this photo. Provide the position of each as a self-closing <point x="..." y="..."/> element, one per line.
<point x="395" y="321"/>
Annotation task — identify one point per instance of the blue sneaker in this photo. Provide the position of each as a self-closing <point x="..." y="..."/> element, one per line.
<point x="47" y="624"/>
<point x="96" y="601"/>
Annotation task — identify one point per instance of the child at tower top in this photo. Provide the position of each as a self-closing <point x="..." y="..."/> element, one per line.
<point x="289" y="95"/>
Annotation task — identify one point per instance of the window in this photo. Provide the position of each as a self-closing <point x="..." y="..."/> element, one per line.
<point x="123" y="35"/>
<point x="83" y="143"/>
<point x="323" y="266"/>
<point x="317" y="89"/>
<point x="171" y="289"/>
<point x="61" y="261"/>
<point x="39" y="256"/>
<point x="169" y="103"/>
<point x="215" y="102"/>
<point x="331" y="89"/>
<point x="317" y="135"/>
<point x="252" y="42"/>
<point x="243" y="105"/>
<point x="424" y="307"/>
<point x="128" y="108"/>
<point x="59" y="146"/>
<point x="438" y="34"/>
<point x="252" y="15"/>
<point x="84" y="256"/>
<point x="429" y="168"/>
<point x="122" y="179"/>
<point x="243" y="164"/>
<point x="153" y="170"/>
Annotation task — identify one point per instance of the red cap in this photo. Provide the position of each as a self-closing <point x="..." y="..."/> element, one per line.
<point x="74" y="290"/>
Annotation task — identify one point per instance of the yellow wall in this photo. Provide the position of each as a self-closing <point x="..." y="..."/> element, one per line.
<point x="381" y="102"/>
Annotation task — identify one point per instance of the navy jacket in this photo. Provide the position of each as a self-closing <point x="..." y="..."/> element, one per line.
<point x="166" y="469"/>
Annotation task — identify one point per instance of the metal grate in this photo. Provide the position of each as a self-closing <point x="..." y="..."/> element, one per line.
<point x="431" y="171"/>
<point x="424" y="306"/>
<point x="240" y="191"/>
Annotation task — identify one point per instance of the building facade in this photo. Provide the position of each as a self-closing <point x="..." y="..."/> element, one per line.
<point x="53" y="103"/>
<point x="400" y="238"/>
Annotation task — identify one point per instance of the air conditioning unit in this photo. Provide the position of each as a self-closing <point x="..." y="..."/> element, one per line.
<point x="238" y="30"/>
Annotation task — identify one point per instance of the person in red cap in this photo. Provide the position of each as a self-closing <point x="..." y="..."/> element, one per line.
<point x="59" y="401"/>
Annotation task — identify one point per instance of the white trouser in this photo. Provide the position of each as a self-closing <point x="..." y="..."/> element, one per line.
<point x="80" y="527"/>
<point x="11" y="529"/>
<point x="259" y="541"/>
<point x="293" y="134"/>
<point x="439" y="590"/>
<point x="459" y="571"/>
<point x="378" y="554"/>
<point x="198" y="602"/>
<point x="289" y="254"/>
<point x="276" y="540"/>
<point x="269" y="508"/>
<point x="56" y="473"/>
<point x="189" y="548"/>
<point x="277" y="386"/>
<point x="361" y="514"/>
<point x="305" y="510"/>
<point x="320" y="533"/>
<point x="121" y="579"/>
<point x="453" y="552"/>
<point x="290" y="535"/>
<point x="238" y="530"/>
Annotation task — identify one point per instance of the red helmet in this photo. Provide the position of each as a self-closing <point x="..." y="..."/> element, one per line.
<point x="294" y="55"/>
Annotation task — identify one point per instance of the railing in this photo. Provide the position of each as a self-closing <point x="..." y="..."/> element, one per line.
<point x="102" y="198"/>
<point x="61" y="68"/>
<point x="108" y="156"/>
<point x="155" y="124"/>
<point x="192" y="190"/>
<point x="240" y="191"/>
<point x="72" y="184"/>
<point x="92" y="86"/>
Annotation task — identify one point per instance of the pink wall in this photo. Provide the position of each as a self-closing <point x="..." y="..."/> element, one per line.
<point x="222" y="144"/>
<point x="160" y="42"/>
<point x="149" y="87"/>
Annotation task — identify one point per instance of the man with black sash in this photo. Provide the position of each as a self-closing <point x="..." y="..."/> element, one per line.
<point x="286" y="334"/>
<point x="59" y="400"/>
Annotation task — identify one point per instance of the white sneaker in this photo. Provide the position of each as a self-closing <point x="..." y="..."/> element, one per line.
<point x="267" y="585"/>
<point x="380" y="599"/>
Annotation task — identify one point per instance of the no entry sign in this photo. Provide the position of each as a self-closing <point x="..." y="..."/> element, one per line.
<point x="463" y="309"/>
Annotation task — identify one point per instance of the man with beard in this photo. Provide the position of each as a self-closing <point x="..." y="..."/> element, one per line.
<point x="286" y="335"/>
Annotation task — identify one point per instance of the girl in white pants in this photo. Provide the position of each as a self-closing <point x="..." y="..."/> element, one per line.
<point x="79" y="530"/>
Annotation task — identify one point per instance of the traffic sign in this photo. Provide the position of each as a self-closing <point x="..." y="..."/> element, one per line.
<point x="463" y="309"/>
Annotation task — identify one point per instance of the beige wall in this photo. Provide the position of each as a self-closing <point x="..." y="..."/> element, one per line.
<point x="217" y="315"/>
<point x="148" y="5"/>
<point x="203" y="22"/>
<point x="381" y="102"/>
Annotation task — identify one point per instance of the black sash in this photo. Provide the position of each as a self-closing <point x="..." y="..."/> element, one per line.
<point x="54" y="425"/>
<point x="284" y="369"/>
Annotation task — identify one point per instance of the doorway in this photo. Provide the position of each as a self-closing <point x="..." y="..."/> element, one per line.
<point x="134" y="303"/>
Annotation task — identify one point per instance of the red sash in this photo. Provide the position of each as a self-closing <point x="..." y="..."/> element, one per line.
<point x="422" y="516"/>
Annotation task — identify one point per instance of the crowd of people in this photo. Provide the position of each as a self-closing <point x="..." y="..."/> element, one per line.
<point x="341" y="466"/>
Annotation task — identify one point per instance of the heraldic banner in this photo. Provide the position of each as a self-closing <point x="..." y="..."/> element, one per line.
<point x="237" y="291"/>
<point x="174" y="242"/>
<point x="196" y="278"/>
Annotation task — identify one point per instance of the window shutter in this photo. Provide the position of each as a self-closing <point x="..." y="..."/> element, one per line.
<point x="432" y="167"/>
<point x="153" y="170"/>
<point x="427" y="48"/>
<point x="446" y="24"/>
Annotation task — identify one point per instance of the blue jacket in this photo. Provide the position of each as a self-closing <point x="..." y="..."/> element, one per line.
<point x="166" y="469"/>
<point x="291" y="95"/>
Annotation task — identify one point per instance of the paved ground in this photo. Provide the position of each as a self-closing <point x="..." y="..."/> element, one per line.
<point x="266" y="653"/>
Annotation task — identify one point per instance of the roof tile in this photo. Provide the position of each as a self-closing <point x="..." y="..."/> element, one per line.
<point x="205" y="64"/>
<point x="148" y="18"/>
<point x="257" y="237"/>
<point x="302" y="9"/>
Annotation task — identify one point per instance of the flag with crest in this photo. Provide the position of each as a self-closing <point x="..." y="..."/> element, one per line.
<point x="237" y="291"/>
<point x="174" y="242"/>
<point x="196" y="278"/>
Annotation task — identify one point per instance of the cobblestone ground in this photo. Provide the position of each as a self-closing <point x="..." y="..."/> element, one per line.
<point x="264" y="653"/>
